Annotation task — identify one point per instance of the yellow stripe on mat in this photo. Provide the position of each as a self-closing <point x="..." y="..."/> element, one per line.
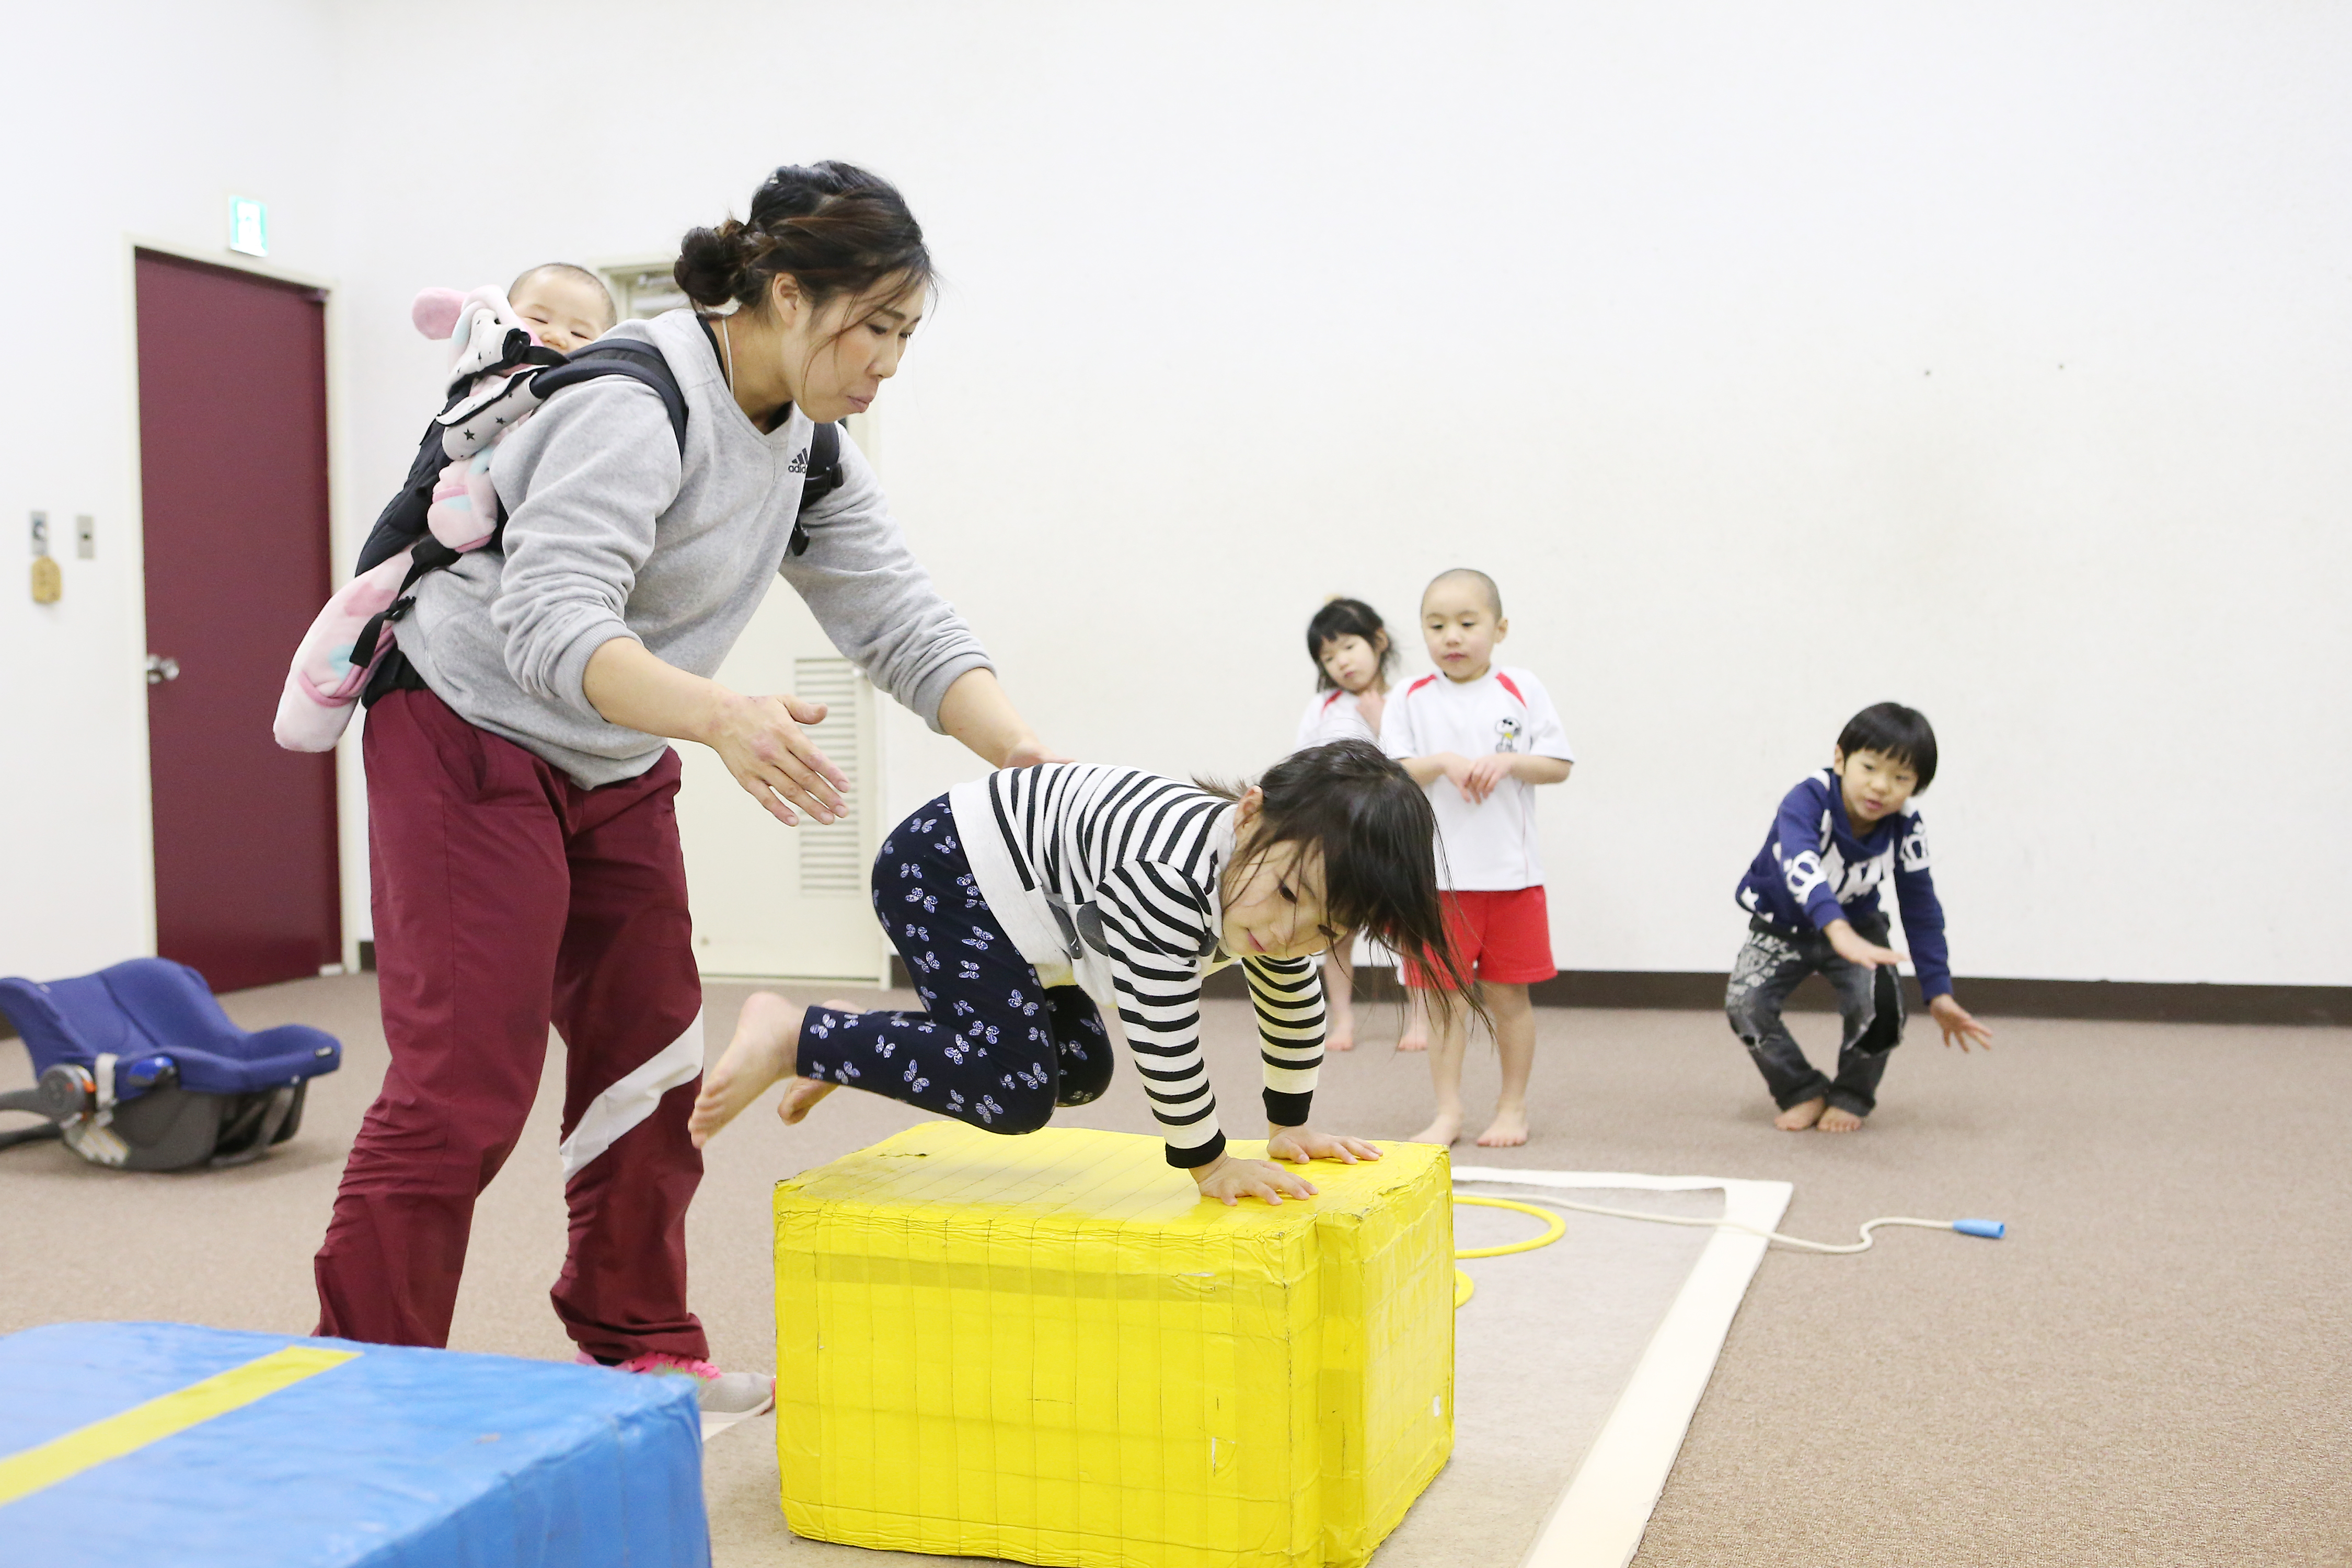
<point x="61" y="1458"/>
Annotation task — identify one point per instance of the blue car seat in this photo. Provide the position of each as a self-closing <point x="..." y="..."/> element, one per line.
<point x="139" y="1068"/>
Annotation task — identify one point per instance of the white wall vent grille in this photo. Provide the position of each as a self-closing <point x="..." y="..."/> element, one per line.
<point x="832" y="859"/>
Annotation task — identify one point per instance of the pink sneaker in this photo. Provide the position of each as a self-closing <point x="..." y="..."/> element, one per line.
<point x="725" y="1398"/>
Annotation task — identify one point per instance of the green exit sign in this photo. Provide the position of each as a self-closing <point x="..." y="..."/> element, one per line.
<point x="248" y="227"/>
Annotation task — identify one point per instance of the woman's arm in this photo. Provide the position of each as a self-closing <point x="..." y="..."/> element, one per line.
<point x="758" y="738"/>
<point x="976" y="711"/>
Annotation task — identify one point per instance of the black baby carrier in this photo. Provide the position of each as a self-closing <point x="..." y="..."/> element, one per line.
<point x="471" y="418"/>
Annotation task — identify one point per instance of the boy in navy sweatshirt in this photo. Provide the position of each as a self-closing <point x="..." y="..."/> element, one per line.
<point x="1814" y="898"/>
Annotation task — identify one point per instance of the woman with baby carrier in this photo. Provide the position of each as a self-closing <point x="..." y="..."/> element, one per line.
<point x="525" y="851"/>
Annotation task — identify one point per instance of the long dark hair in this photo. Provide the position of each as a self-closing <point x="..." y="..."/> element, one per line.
<point x="831" y="227"/>
<point x="1346" y="617"/>
<point x="1378" y="838"/>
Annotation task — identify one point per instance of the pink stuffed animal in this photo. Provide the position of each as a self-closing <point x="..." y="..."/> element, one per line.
<point x="491" y="397"/>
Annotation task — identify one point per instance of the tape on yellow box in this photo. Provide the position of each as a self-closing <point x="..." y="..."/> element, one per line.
<point x="1049" y="1348"/>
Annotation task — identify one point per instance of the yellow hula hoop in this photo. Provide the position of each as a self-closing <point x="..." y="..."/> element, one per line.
<point x="1554" y="1229"/>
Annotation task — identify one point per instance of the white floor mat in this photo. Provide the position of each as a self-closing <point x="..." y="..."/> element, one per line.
<point x="1577" y="1367"/>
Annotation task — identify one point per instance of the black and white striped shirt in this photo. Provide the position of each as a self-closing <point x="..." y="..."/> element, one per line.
<point x="1108" y="878"/>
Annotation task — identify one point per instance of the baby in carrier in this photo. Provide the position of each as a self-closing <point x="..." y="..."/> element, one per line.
<point x="495" y="339"/>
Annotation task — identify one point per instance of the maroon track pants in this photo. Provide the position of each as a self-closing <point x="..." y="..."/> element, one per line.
<point x="506" y="897"/>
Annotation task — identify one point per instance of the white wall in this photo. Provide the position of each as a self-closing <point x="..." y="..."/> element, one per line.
<point x="120" y="120"/>
<point x="1775" y="361"/>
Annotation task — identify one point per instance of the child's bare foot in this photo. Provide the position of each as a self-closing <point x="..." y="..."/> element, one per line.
<point x="1445" y="1130"/>
<point x="1341" y="1035"/>
<point x="1836" y="1119"/>
<point x="1508" y="1129"/>
<point x="800" y="1095"/>
<point x="1799" y="1116"/>
<point x="767" y="1040"/>
<point x="1415" y="1038"/>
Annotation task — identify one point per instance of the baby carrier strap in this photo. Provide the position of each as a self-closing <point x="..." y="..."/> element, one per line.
<point x="823" y="478"/>
<point x="401" y="522"/>
<point x="641" y="363"/>
<point x="402" y="525"/>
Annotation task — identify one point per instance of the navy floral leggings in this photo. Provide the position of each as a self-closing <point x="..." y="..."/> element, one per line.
<point x="994" y="1048"/>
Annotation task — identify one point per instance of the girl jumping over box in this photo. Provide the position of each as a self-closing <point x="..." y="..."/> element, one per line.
<point x="1035" y="904"/>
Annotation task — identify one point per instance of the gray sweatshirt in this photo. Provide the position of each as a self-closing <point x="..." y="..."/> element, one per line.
<point x="610" y="535"/>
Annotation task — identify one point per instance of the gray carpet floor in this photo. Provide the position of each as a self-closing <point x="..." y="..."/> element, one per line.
<point x="2152" y="1368"/>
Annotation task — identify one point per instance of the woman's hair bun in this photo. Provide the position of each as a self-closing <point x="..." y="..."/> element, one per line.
<point x="710" y="263"/>
<point x="831" y="227"/>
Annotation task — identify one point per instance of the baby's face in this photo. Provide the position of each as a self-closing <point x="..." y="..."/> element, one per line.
<point x="562" y="311"/>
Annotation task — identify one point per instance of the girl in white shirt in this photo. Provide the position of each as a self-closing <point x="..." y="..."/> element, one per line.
<point x="1353" y="661"/>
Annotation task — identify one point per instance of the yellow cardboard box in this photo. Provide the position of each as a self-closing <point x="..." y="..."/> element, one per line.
<point x="1048" y="1348"/>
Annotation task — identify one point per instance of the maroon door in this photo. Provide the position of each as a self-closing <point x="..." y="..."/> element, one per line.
<point x="233" y="452"/>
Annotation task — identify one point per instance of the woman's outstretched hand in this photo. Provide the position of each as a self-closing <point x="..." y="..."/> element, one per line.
<point x="1301" y="1145"/>
<point x="759" y="739"/>
<point x="762" y="743"/>
<point x="1229" y="1181"/>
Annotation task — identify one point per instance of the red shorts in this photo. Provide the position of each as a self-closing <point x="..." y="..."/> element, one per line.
<point x="1505" y="937"/>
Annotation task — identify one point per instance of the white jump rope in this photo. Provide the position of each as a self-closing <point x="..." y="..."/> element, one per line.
<point x="1555" y="1228"/>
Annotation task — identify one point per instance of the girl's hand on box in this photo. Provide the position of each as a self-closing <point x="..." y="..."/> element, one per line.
<point x="1229" y="1181"/>
<point x="1301" y="1145"/>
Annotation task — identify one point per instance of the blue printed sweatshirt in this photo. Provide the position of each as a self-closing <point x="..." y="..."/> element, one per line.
<point x="1813" y="868"/>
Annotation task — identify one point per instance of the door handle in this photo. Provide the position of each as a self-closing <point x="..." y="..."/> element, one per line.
<point x="160" y="670"/>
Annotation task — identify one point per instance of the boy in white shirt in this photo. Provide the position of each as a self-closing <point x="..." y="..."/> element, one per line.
<point x="1478" y="736"/>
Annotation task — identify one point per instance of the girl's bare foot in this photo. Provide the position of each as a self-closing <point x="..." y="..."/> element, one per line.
<point x="767" y="1040"/>
<point x="1341" y="1035"/>
<point x="1445" y="1130"/>
<point x="1799" y="1116"/>
<point x="1508" y="1130"/>
<point x="800" y="1094"/>
<point x="1838" y="1119"/>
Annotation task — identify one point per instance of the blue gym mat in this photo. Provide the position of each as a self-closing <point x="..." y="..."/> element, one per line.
<point x="156" y="1443"/>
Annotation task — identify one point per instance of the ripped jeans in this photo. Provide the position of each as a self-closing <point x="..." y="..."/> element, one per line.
<point x="1870" y="999"/>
